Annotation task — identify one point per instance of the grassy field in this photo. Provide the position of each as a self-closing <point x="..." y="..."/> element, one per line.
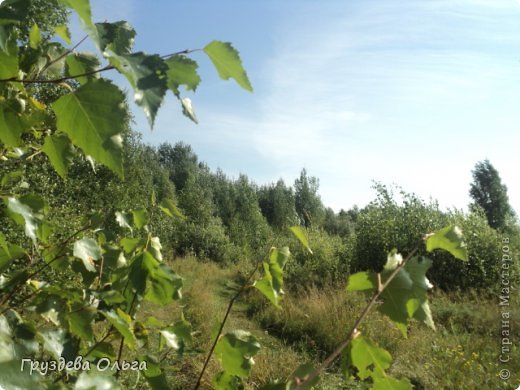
<point x="461" y="354"/>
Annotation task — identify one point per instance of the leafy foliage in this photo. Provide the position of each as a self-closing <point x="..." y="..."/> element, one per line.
<point x="73" y="284"/>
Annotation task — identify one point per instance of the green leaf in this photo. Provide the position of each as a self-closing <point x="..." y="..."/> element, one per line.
<point x="60" y="152"/>
<point x="35" y="36"/>
<point x="147" y="76"/>
<point x="12" y="127"/>
<point x="80" y="321"/>
<point x="155" y="248"/>
<point x="367" y="358"/>
<point x="302" y="373"/>
<point x="299" y="233"/>
<point x="115" y="38"/>
<point x="27" y="211"/>
<point x="169" y="208"/>
<point x="395" y="298"/>
<point x="123" y="323"/>
<point x="417" y="305"/>
<point x="8" y="52"/>
<point x="225" y="381"/>
<point x="130" y="244"/>
<point x="153" y="374"/>
<point x="227" y="61"/>
<point x="176" y="336"/>
<point x="82" y="8"/>
<point x="156" y="281"/>
<point x="4" y="245"/>
<point x="235" y="351"/>
<point x="271" y="285"/>
<point x="389" y="383"/>
<point x="450" y="239"/>
<point x="93" y="116"/>
<point x="140" y="217"/>
<point x="104" y="349"/>
<point x="88" y="251"/>
<point x="64" y="33"/>
<point x="362" y="281"/>
<point x="8" y="253"/>
<point x="182" y="71"/>
<point x="81" y="63"/>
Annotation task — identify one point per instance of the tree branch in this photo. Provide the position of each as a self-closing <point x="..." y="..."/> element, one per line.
<point x="354" y="330"/>
<point x="73" y="77"/>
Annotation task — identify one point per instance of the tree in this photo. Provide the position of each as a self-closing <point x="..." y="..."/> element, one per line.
<point x="308" y="203"/>
<point x="278" y="205"/>
<point x="180" y="161"/>
<point x="488" y="192"/>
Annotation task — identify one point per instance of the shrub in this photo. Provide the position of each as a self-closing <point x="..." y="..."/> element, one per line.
<point x="329" y="263"/>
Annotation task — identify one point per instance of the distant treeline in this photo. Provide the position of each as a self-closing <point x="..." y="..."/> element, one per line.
<point x="234" y="219"/>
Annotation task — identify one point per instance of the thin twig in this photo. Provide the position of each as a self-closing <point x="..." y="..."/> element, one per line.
<point x="66" y="53"/>
<point x="24" y="280"/>
<point x="217" y="337"/>
<point x="73" y="77"/>
<point x="354" y="330"/>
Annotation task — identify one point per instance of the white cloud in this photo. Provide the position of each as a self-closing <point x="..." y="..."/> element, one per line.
<point x="411" y="92"/>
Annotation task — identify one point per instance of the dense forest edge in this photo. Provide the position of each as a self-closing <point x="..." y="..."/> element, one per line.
<point x="138" y="254"/>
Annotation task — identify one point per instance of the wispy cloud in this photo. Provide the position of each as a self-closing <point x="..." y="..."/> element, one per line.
<point x="412" y="92"/>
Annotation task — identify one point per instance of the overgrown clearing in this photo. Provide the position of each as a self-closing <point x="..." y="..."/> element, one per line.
<point x="462" y="354"/>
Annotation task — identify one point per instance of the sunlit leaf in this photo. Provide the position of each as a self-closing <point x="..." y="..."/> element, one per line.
<point x="88" y="251"/>
<point x="362" y="281"/>
<point x="168" y="207"/>
<point x="82" y="8"/>
<point x="123" y="323"/>
<point x="35" y="36"/>
<point x="450" y="239"/>
<point x="367" y="357"/>
<point x="235" y="352"/>
<point x="271" y="285"/>
<point x="27" y="211"/>
<point x="187" y="109"/>
<point x="299" y="233"/>
<point x="140" y="217"/>
<point x="182" y="71"/>
<point x="64" y="33"/>
<point x="227" y="61"/>
<point x="94" y="379"/>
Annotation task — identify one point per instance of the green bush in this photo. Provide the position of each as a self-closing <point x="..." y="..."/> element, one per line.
<point x="482" y="270"/>
<point x="328" y="264"/>
<point x="386" y="224"/>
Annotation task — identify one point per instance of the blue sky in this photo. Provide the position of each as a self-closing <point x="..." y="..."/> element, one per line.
<point x="406" y="92"/>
